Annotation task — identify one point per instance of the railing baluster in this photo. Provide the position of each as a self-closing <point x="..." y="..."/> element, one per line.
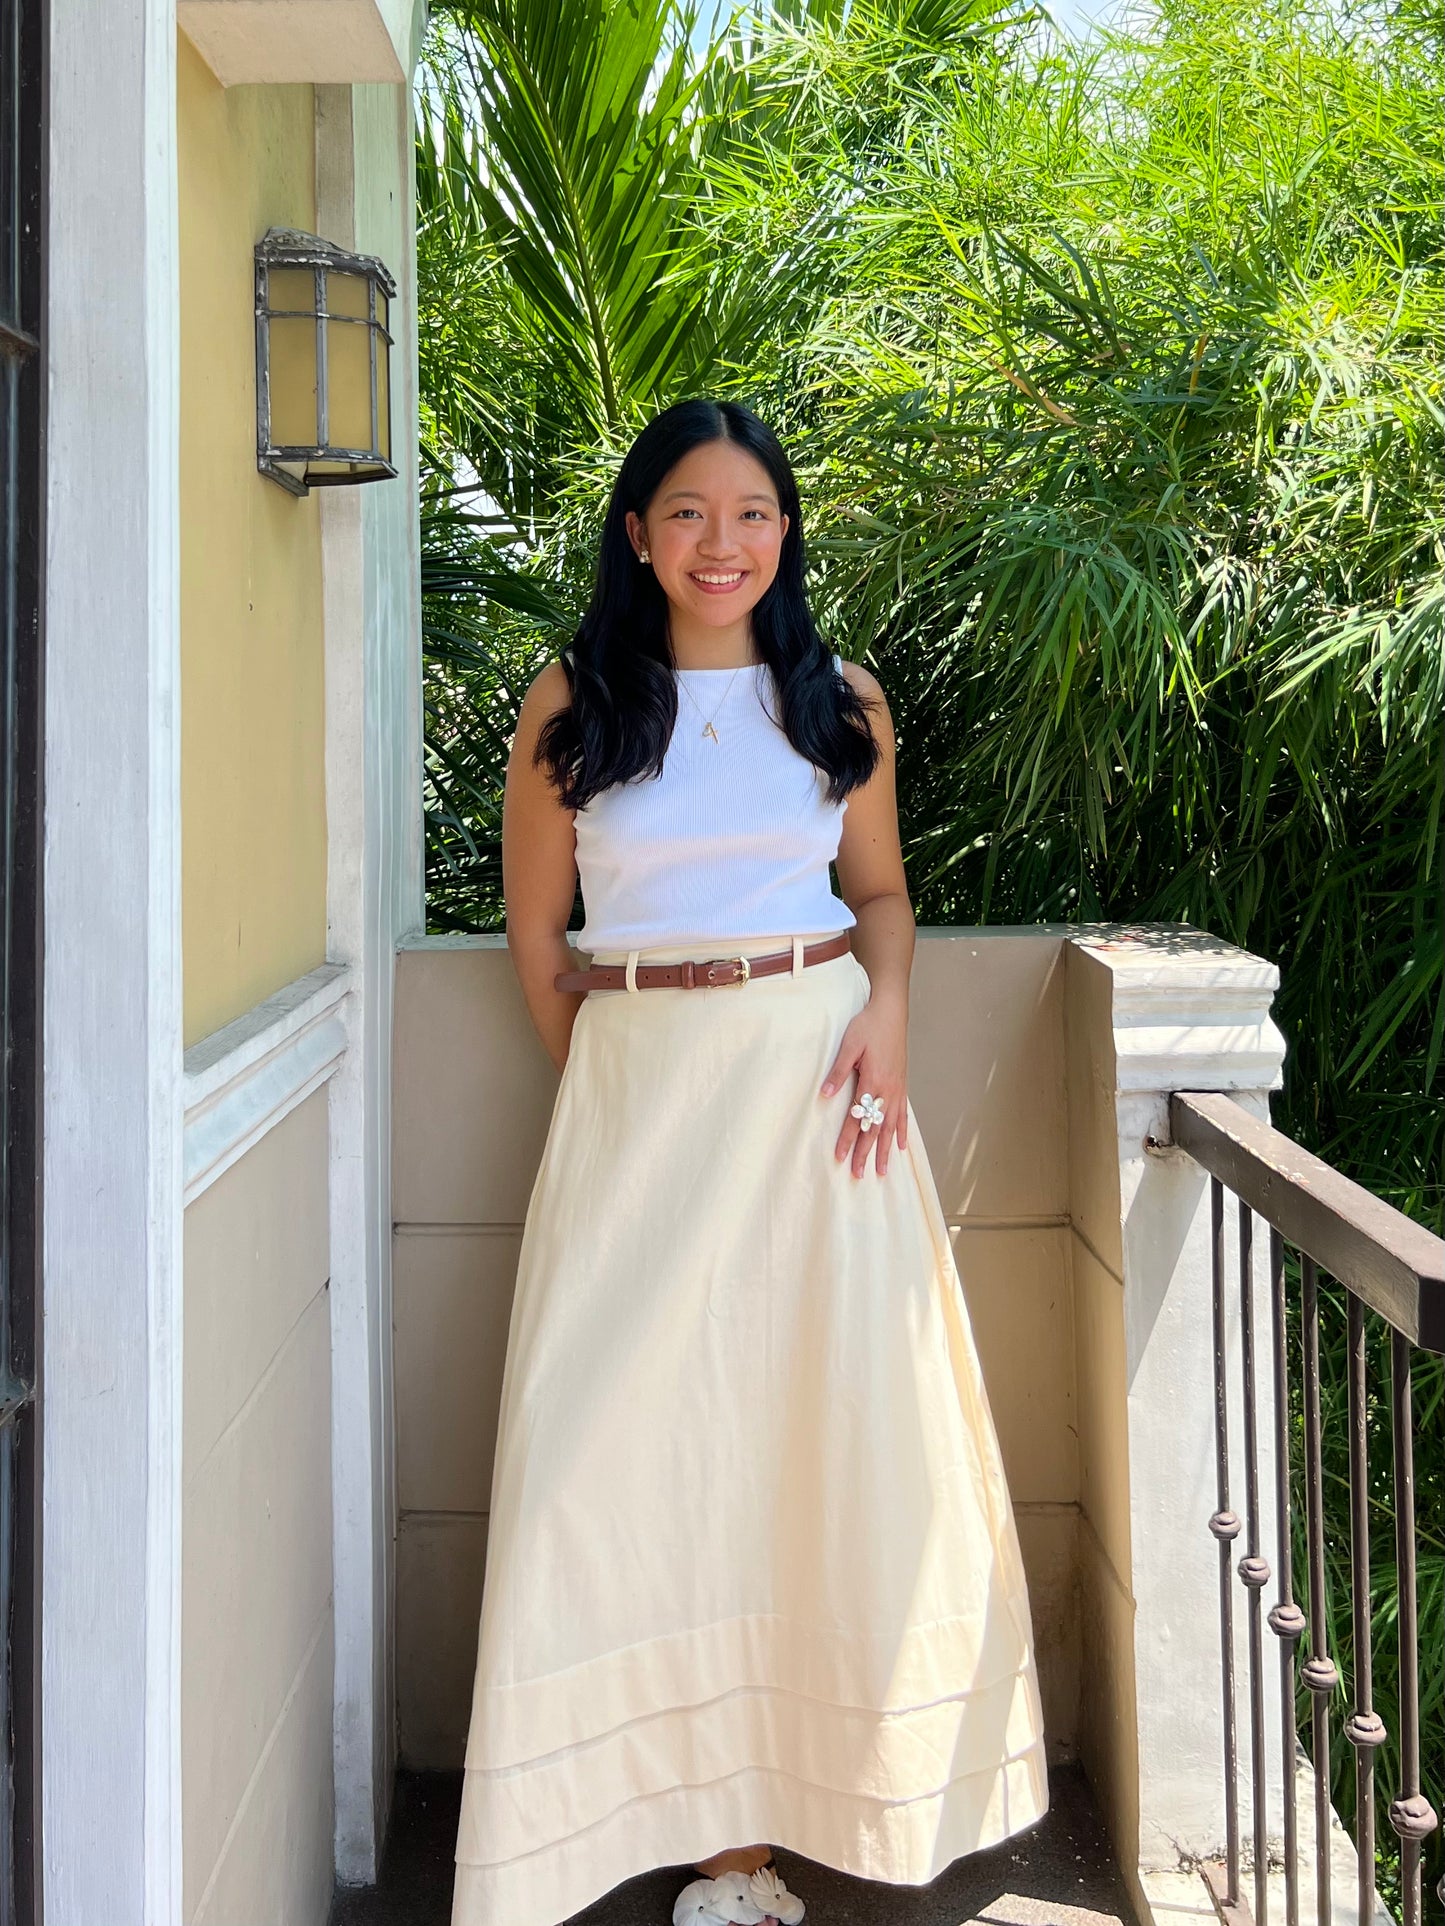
<point x="1318" y="1670"/>
<point x="1364" y="1728"/>
<point x="1392" y="1266"/>
<point x="1412" y="1815"/>
<point x="1253" y="1567"/>
<point x="1225" y="1527"/>
<point x="1286" y="1620"/>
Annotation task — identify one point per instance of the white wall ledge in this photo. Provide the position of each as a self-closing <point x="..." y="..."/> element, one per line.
<point x="1190" y="1012"/>
<point x="244" y="1078"/>
<point x="336" y="41"/>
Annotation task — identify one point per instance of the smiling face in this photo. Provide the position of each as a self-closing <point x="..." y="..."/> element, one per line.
<point x="714" y="532"/>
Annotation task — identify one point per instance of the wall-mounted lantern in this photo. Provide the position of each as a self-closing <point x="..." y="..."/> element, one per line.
<point x="323" y="376"/>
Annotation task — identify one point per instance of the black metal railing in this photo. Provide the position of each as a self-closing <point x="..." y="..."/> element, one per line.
<point x="1393" y="1268"/>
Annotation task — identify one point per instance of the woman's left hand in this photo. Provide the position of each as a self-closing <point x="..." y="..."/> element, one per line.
<point x="875" y="1045"/>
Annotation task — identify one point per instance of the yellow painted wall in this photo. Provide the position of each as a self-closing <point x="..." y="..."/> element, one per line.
<point x="253" y="793"/>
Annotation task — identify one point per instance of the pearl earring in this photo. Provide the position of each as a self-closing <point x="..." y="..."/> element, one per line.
<point x="644" y="555"/>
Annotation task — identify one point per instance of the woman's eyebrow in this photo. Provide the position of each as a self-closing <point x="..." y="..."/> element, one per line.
<point x="696" y="495"/>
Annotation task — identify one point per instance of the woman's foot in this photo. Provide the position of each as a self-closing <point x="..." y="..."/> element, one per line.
<point x="743" y="1859"/>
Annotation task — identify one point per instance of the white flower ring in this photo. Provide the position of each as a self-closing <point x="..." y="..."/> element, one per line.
<point x="868" y="1108"/>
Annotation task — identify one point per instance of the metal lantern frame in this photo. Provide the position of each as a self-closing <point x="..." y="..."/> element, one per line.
<point x="287" y="248"/>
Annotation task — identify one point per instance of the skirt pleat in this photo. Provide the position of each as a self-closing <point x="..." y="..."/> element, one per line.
<point x="752" y="1568"/>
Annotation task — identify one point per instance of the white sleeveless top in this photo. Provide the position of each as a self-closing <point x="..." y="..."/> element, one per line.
<point x="733" y="839"/>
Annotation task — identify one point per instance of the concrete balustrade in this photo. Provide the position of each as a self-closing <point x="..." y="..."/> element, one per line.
<point x="1041" y="1061"/>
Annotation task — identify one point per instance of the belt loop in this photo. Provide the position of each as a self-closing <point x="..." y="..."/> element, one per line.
<point x="797" y="956"/>
<point x="632" y="956"/>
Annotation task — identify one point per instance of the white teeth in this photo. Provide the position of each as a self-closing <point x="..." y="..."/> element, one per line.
<point x="720" y="580"/>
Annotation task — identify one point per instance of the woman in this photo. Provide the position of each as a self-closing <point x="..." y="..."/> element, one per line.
<point x="752" y="1571"/>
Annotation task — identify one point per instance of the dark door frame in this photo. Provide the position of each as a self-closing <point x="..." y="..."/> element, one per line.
<point x="22" y="373"/>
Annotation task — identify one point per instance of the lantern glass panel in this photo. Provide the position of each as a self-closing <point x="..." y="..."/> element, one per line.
<point x="291" y="290"/>
<point x="383" y="396"/>
<point x="348" y="294"/>
<point x="293" y="384"/>
<point x="348" y="384"/>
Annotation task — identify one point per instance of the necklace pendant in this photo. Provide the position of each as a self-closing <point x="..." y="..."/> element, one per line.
<point x="708" y="730"/>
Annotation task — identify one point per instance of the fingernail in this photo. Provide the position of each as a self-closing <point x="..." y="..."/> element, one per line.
<point x="826" y="1091"/>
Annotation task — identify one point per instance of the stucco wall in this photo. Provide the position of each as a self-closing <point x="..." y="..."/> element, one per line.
<point x="253" y="797"/>
<point x="257" y="1630"/>
<point x="473" y="1094"/>
<point x="1108" y="1733"/>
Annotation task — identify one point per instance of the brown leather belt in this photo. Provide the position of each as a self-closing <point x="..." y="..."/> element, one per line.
<point x="690" y="975"/>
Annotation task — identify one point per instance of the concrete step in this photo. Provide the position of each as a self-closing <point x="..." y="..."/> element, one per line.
<point x="1060" y="1873"/>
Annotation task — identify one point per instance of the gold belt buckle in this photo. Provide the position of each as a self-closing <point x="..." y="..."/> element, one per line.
<point x="739" y="964"/>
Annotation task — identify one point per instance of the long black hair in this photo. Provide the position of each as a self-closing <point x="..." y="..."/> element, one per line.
<point x="620" y="667"/>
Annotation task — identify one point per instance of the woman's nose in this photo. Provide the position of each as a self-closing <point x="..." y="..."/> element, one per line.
<point x="717" y="542"/>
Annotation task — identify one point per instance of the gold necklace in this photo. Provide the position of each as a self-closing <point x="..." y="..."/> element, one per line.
<point x="707" y="721"/>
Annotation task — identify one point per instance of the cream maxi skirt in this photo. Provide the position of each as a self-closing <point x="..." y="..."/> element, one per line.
<point x="752" y="1571"/>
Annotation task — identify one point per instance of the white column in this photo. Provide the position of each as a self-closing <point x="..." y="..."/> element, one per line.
<point x="111" y="1391"/>
<point x="1188" y="1013"/>
<point x="373" y="788"/>
<point x="362" y="1780"/>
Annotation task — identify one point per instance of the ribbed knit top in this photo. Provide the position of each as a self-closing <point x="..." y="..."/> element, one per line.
<point x="733" y="839"/>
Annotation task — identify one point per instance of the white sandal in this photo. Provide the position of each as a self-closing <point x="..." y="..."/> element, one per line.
<point x="766" y="1889"/>
<point x="737" y="1899"/>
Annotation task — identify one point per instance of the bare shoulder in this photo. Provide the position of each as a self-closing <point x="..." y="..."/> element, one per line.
<point x="863" y="680"/>
<point x="870" y="688"/>
<point x="547" y="693"/>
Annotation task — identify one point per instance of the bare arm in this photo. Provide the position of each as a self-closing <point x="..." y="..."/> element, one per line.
<point x="873" y="884"/>
<point x="539" y="871"/>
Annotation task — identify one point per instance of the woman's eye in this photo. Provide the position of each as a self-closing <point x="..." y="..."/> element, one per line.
<point x="749" y="514"/>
